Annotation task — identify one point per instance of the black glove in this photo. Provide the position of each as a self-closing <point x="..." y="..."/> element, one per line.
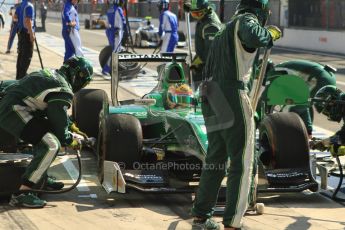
<point x="186" y="7"/>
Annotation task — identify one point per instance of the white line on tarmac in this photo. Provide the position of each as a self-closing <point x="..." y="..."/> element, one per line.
<point x="73" y="172"/>
<point x="323" y="131"/>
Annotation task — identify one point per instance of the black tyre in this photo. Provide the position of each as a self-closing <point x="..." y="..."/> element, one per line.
<point x="104" y="55"/>
<point x="8" y="143"/>
<point x="181" y="36"/>
<point x="87" y="104"/>
<point x="12" y="167"/>
<point x="126" y="69"/>
<point x="87" y="24"/>
<point x="120" y="140"/>
<point x="284" y="141"/>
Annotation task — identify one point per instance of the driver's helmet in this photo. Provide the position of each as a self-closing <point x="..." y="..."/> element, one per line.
<point x="259" y="7"/>
<point x="77" y="71"/>
<point x="163" y="5"/>
<point x="199" y="8"/>
<point x="324" y="102"/>
<point x="179" y="95"/>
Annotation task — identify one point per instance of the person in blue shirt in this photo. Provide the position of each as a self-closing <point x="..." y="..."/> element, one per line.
<point x="13" y="30"/>
<point x="167" y="27"/>
<point x="25" y="14"/>
<point x="115" y="28"/>
<point x="70" y="29"/>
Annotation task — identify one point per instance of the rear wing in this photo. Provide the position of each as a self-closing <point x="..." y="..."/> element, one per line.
<point x="117" y="58"/>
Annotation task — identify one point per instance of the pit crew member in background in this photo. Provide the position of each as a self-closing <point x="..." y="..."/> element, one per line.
<point x="208" y="24"/>
<point x="2" y="21"/>
<point x="330" y="101"/>
<point x="314" y="74"/>
<point x="115" y="29"/>
<point x="13" y="30"/>
<point x="43" y="15"/>
<point x="70" y="29"/>
<point x="228" y="114"/>
<point x="34" y="109"/>
<point x="25" y="14"/>
<point x="167" y="27"/>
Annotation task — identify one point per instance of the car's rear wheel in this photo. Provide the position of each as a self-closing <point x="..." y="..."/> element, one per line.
<point x="87" y="105"/>
<point x="126" y="69"/>
<point x="284" y="141"/>
<point x="120" y="140"/>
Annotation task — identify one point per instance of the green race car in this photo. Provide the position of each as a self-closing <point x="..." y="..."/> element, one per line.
<point x="157" y="143"/>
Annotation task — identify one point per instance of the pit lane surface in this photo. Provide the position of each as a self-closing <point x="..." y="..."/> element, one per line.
<point x="89" y="207"/>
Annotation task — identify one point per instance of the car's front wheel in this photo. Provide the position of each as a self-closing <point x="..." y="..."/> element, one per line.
<point x="120" y="140"/>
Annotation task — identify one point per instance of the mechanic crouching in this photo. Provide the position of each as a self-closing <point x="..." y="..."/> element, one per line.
<point x="34" y="109"/>
<point x="330" y="101"/>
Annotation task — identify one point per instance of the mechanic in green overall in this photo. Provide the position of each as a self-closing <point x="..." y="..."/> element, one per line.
<point x="228" y="114"/>
<point x="314" y="74"/>
<point x="208" y="24"/>
<point x="330" y="101"/>
<point x="34" y="109"/>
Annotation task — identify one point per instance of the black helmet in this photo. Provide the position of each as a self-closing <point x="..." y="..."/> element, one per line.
<point x="259" y="7"/>
<point x="325" y="102"/>
<point x="163" y="5"/>
<point x="77" y="71"/>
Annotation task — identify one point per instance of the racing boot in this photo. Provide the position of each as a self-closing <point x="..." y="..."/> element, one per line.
<point x="52" y="184"/>
<point x="205" y="224"/>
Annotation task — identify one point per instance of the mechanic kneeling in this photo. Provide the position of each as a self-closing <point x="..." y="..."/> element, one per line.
<point x="330" y="101"/>
<point x="34" y="109"/>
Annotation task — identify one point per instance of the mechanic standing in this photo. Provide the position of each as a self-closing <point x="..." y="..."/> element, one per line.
<point x="228" y="114"/>
<point x="208" y="24"/>
<point x="326" y="104"/>
<point x="25" y="14"/>
<point x="2" y="21"/>
<point x="314" y="74"/>
<point x="43" y="14"/>
<point x="115" y="28"/>
<point x="167" y="27"/>
<point x="70" y="29"/>
<point x="34" y="109"/>
<point x="13" y="30"/>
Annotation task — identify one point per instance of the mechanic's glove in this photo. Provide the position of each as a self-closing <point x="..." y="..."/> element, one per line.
<point x="337" y="150"/>
<point x="196" y="63"/>
<point x="275" y="32"/>
<point x="74" y="129"/>
<point x="319" y="145"/>
<point x="75" y="145"/>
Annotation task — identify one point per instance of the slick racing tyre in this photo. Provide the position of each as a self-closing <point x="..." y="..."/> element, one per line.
<point x="283" y="141"/>
<point x="120" y="140"/>
<point x="126" y="69"/>
<point x="87" y="104"/>
<point x="12" y="167"/>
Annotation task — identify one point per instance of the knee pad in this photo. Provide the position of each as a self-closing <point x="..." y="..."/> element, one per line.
<point x="35" y="129"/>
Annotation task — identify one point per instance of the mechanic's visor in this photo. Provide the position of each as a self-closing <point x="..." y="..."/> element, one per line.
<point x="198" y="14"/>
